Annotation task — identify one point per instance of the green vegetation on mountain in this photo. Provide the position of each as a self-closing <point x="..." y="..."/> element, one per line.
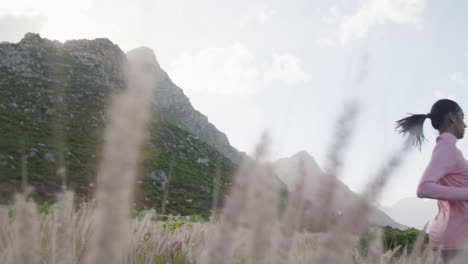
<point x="53" y="103"/>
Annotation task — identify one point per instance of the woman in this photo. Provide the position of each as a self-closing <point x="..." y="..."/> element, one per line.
<point x="446" y="176"/>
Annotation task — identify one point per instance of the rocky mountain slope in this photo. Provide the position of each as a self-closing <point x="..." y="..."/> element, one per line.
<point x="170" y="100"/>
<point x="53" y="102"/>
<point x="287" y="168"/>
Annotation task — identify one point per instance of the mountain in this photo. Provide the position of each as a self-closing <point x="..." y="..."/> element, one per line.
<point x="287" y="171"/>
<point x="53" y="110"/>
<point x="402" y="211"/>
<point x="170" y="100"/>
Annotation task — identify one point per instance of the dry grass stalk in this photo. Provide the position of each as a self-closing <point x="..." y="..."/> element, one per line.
<point x="403" y="258"/>
<point x="376" y="251"/>
<point x="63" y="242"/>
<point x="6" y="236"/>
<point x="342" y="137"/>
<point x="336" y="241"/>
<point x="129" y="115"/>
<point x="354" y="220"/>
<point x="263" y="213"/>
<point x="361" y="210"/>
<point x="45" y="236"/>
<point x="236" y="203"/>
<point x="292" y="218"/>
<point x="418" y="246"/>
<point x="84" y="219"/>
<point x="428" y="255"/>
<point x="25" y="228"/>
<point x="389" y="255"/>
<point x="220" y="250"/>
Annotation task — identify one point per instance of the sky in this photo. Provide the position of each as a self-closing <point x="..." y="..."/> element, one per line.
<point x="288" y="67"/>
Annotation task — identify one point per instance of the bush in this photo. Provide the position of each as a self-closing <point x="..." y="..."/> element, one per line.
<point x="392" y="238"/>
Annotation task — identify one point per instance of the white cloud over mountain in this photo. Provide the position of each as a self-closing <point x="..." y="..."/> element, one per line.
<point x="234" y="70"/>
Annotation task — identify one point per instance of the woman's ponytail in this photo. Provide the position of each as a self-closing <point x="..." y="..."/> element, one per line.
<point x="413" y="125"/>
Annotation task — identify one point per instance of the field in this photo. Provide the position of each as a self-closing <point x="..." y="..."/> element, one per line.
<point x="256" y="224"/>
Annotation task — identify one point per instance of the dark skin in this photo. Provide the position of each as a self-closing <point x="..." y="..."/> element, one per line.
<point x="454" y="124"/>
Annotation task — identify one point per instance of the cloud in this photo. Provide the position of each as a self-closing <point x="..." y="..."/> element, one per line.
<point x="286" y="68"/>
<point x="234" y="71"/>
<point x="15" y="27"/>
<point x="56" y="19"/>
<point x="44" y="7"/>
<point x="265" y="16"/>
<point x="373" y="13"/>
<point x="370" y="15"/>
<point x="459" y="78"/>
<point x="217" y="70"/>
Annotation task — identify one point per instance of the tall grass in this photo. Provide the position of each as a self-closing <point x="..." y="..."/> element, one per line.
<point x="251" y="228"/>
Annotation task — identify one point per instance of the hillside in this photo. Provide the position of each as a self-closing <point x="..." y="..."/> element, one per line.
<point x="53" y="101"/>
<point x="287" y="169"/>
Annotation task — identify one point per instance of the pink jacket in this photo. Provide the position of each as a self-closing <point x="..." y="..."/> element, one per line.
<point x="446" y="179"/>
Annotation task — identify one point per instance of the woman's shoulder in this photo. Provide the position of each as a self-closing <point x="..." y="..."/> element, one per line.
<point x="448" y="149"/>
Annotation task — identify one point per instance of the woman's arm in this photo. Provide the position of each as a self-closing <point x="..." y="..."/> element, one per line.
<point x="444" y="159"/>
<point x="437" y="191"/>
